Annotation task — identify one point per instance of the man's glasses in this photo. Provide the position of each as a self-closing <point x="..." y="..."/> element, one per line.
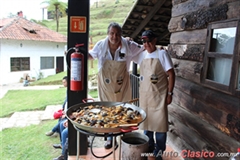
<point x="146" y="40"/>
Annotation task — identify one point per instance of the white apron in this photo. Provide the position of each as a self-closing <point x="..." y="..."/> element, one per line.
<point x="153" y="96"/>
<point x="114" y="82"/>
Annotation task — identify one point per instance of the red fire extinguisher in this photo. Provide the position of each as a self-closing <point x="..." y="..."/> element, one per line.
<point x="77" y="69"/>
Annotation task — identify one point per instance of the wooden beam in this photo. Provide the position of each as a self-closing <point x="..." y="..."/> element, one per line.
<point x="157" y="22"/>
<point x="127" y="30"/>
<point x="152" y="21"/>
<point x="130" y="25"/>
<point x="161" y="16"/>
<point x="144" y="6"/>
<point x="157" y="15"/>
<point x="131" y="19"/>
<point x="164" y="23"/>
<point x="160" y="29"/>
<point x="153" y="28"/>
<point x="148" y="18"/>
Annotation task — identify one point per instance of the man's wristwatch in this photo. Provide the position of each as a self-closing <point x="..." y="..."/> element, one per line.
<point x="170" y="93"/>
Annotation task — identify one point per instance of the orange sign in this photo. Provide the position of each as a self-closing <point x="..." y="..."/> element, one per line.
<point x="78" y="24"/>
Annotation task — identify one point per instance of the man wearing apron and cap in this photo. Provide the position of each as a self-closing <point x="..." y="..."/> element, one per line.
<point x="114" y="54"/>
<point x="157" y="80"/>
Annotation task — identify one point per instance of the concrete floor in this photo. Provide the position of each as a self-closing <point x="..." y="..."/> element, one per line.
<point x="99" y="150"/>
<point x="103" y="151"/>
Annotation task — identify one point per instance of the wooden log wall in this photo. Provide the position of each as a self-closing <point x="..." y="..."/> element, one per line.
<point x="213" y="106"/>
<point x="200" y="118"/>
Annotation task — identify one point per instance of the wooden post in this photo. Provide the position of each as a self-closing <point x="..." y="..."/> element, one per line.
<point x="78" y="29"/>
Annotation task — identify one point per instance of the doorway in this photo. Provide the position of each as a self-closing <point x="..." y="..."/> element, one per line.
<point x="60" y="66"/>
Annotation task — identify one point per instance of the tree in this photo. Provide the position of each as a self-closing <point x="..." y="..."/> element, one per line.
<point x="58" y="8"/>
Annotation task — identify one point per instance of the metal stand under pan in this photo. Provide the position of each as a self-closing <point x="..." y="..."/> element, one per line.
<point x="114" y="135"/>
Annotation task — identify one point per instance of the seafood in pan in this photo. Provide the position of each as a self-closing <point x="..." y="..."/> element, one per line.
<point x="106" y="117"/>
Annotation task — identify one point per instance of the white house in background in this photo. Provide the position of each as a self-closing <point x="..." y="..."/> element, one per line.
<point x="29" y="48"/>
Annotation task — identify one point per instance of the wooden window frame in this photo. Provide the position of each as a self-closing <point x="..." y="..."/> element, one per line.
<point x="20" y="59"/>
<point x="235" y="57"/>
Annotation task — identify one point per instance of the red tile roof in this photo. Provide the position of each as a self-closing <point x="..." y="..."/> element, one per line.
<point x="19" y="28"/>
<point x="5" y="21"/>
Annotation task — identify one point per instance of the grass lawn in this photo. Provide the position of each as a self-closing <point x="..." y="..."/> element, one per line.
<point x="29" y="143"/>
<point x="50" y="80"/>
<point x="27" y="100"/>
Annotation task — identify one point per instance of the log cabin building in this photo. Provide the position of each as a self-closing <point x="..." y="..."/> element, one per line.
<point x="203" y="39"/>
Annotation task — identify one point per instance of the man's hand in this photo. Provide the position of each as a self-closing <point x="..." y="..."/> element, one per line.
<point x="90" y="57"/>
<point x="169" y="99"/>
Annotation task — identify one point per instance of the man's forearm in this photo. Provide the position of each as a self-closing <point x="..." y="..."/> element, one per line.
<point x="171" y="80"/>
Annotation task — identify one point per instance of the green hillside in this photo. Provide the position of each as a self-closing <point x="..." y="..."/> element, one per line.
<point x="101" y="15"/>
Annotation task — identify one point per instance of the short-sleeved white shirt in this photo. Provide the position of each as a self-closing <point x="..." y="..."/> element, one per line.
<point x="134" y="48"/>
<point x="162" y="55"/>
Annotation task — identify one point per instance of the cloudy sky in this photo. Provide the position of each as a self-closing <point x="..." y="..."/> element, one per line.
<point x="32" y="9"/>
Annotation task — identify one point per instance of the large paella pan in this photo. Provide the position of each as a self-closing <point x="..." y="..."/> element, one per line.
<point x="85" y="117"/>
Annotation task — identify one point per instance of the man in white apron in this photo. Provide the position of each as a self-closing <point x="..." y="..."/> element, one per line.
<point x="157" y="80"/>
<point x="114" y="54"/>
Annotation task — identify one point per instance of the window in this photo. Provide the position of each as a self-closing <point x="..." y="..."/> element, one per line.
<point x="47" y="62"/>
<point x="20" y="64"/>
<point x="221" y="69"/>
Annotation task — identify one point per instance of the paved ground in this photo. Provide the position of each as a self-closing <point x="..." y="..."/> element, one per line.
<point x="23" y="119"/>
